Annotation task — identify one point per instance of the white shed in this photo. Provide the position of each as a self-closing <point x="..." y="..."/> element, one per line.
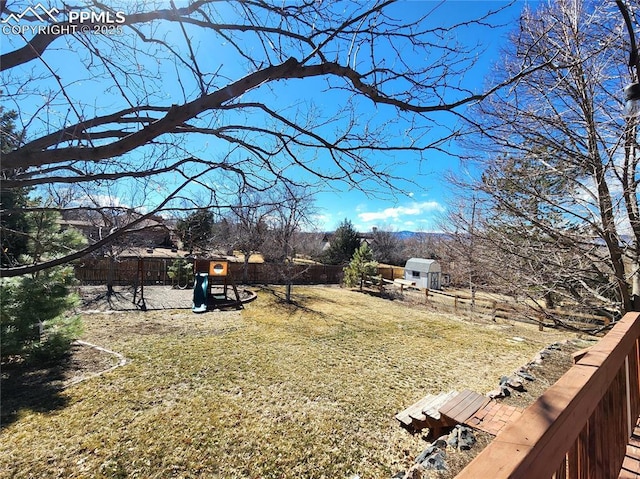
<point x="426" y="273"/>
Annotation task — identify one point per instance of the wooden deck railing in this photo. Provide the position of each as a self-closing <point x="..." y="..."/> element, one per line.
<point x="580" y="427"/>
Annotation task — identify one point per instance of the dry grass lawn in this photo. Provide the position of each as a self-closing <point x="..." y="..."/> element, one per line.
<point x="273" y="391"/>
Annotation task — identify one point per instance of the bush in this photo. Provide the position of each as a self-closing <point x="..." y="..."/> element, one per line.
<point x="58" y="335"/>
<point x="33" y="324"/>
<point x="181" y="272"/>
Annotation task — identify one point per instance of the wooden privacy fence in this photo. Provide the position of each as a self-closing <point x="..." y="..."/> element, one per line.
<point x="580" y="427"/>
<point x="391" y="272"/>
<point x="155" y="272"/>
<point x="122" y="272"/>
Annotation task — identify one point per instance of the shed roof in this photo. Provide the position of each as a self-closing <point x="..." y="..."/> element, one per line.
<point x="422" y="265"/>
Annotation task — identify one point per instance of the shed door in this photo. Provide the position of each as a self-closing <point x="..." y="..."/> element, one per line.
<point x="435" y="281"/>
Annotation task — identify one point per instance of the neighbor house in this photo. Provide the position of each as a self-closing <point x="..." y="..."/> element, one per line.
<point x="148" y="233"/>
<point x="362" y="237"/>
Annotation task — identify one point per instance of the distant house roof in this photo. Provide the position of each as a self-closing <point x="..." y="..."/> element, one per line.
<point x="151" y="252"/>
<point x="362" y="237"/>
<point x="422" y="265"/>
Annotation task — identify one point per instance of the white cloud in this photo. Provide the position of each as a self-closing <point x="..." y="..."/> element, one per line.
<point x="320" y="222"/>
<point x="361" y="207"/>
<point x="105" y="201"/>
<point x="412" y="209"/>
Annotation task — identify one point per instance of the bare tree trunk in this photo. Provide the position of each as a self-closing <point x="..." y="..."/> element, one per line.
<point x="110" y="276"/>
<point x="245" y="268"/>
<point x="288" y="292"/>
<point x="634" y="274"/>
<point x="552" y="178"/>
<point x="548" y="300"/>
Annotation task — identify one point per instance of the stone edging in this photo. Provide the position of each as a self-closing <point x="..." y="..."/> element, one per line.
<point x="122" y="361"/>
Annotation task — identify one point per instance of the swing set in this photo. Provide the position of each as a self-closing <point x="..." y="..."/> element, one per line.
<point x="212" y="286"/>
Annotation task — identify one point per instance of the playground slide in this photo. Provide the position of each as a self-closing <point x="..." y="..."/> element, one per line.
<point x="200" y="290"/>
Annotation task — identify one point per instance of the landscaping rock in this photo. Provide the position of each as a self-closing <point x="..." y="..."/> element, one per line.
<point x="524" y="374"/>
<point x="501" y="392"/>
<point x="544" y="354"/>
<point x="515" y="384"/>
<point x="426" y="453"/>
<point x="436" y="461"/>
<point x="433" y="457"/>
<point x="461" y="437"/>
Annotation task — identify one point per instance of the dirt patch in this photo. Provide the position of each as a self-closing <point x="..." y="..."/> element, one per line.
<point x="86" y="361"/>
<point x="546" y="374"/>
<point x="40" y="386"/>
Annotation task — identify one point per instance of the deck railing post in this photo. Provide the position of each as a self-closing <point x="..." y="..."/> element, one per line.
<point x="628" y="391"/>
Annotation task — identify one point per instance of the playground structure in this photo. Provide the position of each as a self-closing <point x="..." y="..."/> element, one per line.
<point x="212" y="286"/>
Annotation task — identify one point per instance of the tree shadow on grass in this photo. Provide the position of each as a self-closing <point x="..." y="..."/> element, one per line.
<point x="298" y="298"/>
<point x="388" y="294"/>
<point x="34" y="387"/>
<point x="114" y="300"/>
<point x="297" y="301"/>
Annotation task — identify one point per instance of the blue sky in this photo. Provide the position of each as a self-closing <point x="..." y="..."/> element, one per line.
<point x="423" y="207"/>
<point x="419" y="203"/>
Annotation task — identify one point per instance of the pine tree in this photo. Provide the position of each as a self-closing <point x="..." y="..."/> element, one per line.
<point x="362" y="264"/>
<point x="196" y="230"/>
<point x="33" y="315"/>
<point x="344" y="243"/>
<point x="12" y="223"/>
<point x="33" y="310"/>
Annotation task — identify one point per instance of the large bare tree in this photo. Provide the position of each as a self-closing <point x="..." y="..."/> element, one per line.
<point x="558" y="162"/>
<point x="249" y="224"/>
<point x="170" y="99"/>
<point x="293" y="211"/>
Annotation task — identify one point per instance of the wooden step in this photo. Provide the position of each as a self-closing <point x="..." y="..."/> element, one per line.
<point x="461" y="407"/>
<point x="631" y="464"/>
<point x="426" y="412"/>
<point x="414" y="412"/>
<point x="433" y="408"/>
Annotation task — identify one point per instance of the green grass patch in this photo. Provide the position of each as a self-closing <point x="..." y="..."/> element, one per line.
<point x="273" y="391"/>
